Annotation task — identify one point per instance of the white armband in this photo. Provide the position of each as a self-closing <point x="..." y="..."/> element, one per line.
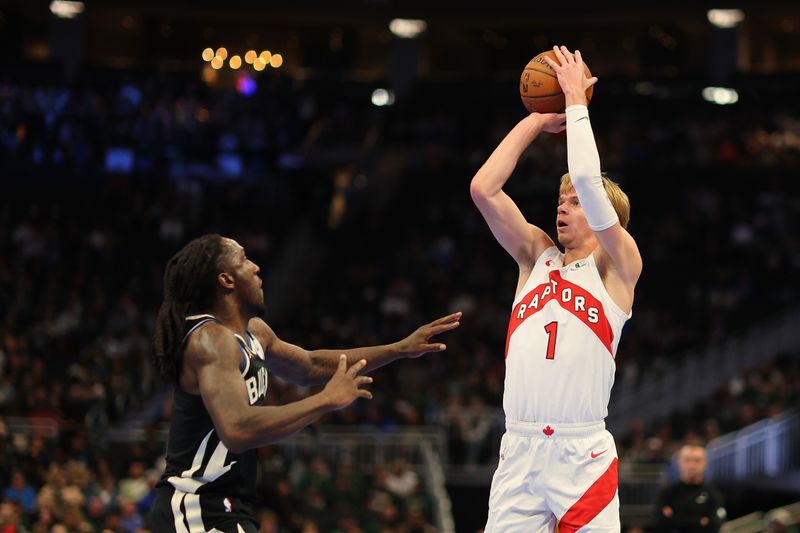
<point x="583" y="162"/>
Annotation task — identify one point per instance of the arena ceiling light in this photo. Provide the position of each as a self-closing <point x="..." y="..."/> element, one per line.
<point x="276" y="61"/>
<point x="407" y="28"/>
<point x="382" y="97"/>
<point x="720" y="95"/>
<point x="725" y="18"/>
<point x="66" y="9"/>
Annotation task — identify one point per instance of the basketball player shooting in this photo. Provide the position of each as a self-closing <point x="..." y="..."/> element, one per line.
<point x="558" y="464"/>
<point x="210" y="343"/>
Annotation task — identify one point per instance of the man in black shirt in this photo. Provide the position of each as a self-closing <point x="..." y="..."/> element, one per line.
<point x="690" y="505"/>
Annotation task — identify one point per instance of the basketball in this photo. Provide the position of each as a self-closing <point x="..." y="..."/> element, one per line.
<point x="539" y="88"/>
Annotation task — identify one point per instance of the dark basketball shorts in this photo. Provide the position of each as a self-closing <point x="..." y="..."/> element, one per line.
<point x="175" y="511"/>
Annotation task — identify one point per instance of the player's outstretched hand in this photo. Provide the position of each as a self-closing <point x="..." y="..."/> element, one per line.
<point x="570" y="72"/>
<point x="552" y="122"/>
<point x="345" y="385"/>
<point x="419" y="342"/>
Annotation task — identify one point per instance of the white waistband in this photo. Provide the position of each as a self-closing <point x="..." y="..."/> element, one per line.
<point x="553" y="430"/>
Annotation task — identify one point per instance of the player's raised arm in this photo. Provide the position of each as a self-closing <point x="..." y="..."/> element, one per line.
<point x="310" y="367"/>
<point x="584" y="169"/>
<point x="523" y="241"/>
<point x="213" y="357"/>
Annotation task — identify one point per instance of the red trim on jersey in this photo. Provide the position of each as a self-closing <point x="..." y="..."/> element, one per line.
<point x="594" y="500"/>
<point x="542" y="294"/>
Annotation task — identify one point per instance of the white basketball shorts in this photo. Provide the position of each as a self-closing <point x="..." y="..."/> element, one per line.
<point x="555" y="477"/>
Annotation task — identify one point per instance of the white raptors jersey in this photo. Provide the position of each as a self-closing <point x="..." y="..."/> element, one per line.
<point x="562" y="340"/>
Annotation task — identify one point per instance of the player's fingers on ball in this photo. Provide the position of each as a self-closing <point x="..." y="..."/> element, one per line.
<point x="567" y="54"/>
<point x="550" y="62"/>
<point x="592" y="81"/>
<point x="561" y="59"/>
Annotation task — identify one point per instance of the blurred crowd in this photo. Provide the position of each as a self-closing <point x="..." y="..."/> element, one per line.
<point x="53" y="486"/>
<point x="755" y="394"/>
<point x="108" y="179"/>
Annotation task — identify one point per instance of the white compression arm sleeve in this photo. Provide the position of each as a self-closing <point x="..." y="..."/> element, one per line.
<point x="583" y="162"/>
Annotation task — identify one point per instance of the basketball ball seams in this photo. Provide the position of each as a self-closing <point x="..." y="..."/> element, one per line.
<point x="543" y="72"/>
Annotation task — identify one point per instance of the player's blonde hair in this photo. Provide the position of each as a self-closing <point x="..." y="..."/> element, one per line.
<point x="619" y="200"/>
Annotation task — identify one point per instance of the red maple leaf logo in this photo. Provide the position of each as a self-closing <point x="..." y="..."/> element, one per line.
<point x="548" y="431"/>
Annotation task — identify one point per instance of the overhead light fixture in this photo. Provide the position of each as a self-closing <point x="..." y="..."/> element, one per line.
<point x="66" y="9"/>
<point x="725" y="18"/>
<point x="407" y="28"/>
<point x="381" y="97"/>
<point x="720" y="95"/>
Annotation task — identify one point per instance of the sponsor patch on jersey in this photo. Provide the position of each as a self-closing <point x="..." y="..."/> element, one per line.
<point x="577" y="265"/>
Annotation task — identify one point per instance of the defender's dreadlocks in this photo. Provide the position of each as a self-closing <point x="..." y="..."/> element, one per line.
<point x="189" y="287"/>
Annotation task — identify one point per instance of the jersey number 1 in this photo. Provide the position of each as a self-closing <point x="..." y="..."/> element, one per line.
<point x="552" y="333"/>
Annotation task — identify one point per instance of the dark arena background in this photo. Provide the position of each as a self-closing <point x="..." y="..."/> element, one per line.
<point x="336" y="142"/>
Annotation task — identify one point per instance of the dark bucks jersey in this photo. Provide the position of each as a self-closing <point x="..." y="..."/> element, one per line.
<point x="205" y="487"/>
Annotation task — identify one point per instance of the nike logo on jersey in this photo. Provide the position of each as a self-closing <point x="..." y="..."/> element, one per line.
<point x="598" y="454"/>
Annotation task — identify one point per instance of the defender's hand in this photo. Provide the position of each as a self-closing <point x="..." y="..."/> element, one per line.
<point x="345" y="385"/>
<point x="419" y="342"/>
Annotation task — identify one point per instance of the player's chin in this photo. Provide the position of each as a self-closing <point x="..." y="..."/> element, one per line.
<point x="258" y="303"/>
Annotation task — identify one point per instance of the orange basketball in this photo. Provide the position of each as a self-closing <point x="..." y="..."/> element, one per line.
<point x="539" y="88"/>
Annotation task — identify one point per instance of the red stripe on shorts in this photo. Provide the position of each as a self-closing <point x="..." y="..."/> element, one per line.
<point x="592" y="502"/>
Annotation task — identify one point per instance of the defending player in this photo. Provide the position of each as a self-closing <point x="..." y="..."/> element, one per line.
<point x="211" y="345"/>
<point x="558" y="464"/>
